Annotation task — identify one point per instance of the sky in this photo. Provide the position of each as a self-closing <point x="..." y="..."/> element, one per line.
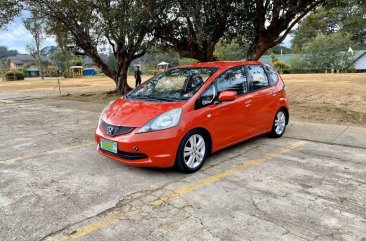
<point x="16" y="36"/>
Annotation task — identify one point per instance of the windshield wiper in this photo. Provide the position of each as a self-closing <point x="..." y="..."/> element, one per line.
<point x="166" y="99"/>
<point x="154" y="98"/>
<point x="151" y="98"/>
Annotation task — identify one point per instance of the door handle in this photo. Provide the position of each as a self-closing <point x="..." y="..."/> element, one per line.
<point x="247" y="103"/>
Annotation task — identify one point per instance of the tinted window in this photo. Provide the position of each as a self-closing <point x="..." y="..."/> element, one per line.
<point x="257" y="76"/>
<point x="272" y="75"/>
<point x="233" y="79"/>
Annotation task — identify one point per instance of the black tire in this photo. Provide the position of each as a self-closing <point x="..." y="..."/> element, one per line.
<point x="180" y="162"/>
<point x="279" y="119"/>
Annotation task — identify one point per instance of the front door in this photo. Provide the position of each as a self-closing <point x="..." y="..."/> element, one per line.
<point x="231" y="121"/>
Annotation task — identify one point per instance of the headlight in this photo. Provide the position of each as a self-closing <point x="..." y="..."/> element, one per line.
<point x="105" y="109"/>
<point x="164" y="121"/>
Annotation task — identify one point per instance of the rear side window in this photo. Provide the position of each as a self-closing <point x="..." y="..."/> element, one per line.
<point x="233" y="79"/>
<point x="272" y="75"/>
<point x="257" y="76"/>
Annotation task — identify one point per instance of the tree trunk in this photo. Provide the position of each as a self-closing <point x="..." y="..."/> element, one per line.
<point x="39" y="60"/>
<point x="207" y="58"/>
<point x="200" y="55"/>
<point x="257" y="49"/>
<point x="120" y="78"/>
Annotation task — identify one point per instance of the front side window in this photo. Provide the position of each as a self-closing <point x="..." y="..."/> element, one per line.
<point x="233" y="79"/>
<point x="257" y="76"/>
<point x="178" y="84"/>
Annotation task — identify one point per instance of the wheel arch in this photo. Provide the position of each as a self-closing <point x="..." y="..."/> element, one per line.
<point x="207" y="135"/>
<point x="285" y="109"/>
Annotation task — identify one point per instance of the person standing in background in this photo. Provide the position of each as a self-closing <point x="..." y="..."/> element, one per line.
<point x="138" y="76"/>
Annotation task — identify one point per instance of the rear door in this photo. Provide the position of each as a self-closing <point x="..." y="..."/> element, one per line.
<point x="263" y="99"/>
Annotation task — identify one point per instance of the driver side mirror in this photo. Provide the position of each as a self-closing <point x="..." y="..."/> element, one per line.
<point x="227" y="95"/>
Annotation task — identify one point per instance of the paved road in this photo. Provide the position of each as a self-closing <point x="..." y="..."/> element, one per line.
<point x="308" y="185"/>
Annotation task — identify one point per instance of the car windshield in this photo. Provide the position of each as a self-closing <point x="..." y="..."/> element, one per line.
<point x="178" y="84"/>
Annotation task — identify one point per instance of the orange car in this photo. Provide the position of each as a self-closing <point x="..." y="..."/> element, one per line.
<point x="179" y="117"/>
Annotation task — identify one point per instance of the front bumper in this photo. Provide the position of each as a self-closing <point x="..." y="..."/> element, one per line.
<point x="152" y="149"/>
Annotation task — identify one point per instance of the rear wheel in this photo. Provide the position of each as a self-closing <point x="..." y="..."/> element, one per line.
<point x="279" y="124"/>
<point x="192" y="152"/>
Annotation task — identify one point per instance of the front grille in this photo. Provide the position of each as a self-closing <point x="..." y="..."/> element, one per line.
<point x="112" y="130"/>
<point x="127" y="155"/>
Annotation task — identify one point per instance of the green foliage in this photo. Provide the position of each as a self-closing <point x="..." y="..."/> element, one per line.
<point x="152" y="71"/>
<point x="121" y="25"/>
<point x="274" y="58"/>
<point x="325" y="52"/>
<point x="192" y="27"/>
<point x="63" y="60"/>
<point x="184" y="61"/>
<point x="347" y="17"/>
<point x="157" y="54"/>
<point x="5" y="52"/>
<point x="229" y="51"/>
<point x="35" y="24"/>
<point x="280" y="66"/>
<point x="265" y="24"/>
<point x="76" y="61"/>
<point x="48" y="50"/>
<point x="9" y="9"/>
<point x="278" y="49"/>
<point x="16" y="76"/>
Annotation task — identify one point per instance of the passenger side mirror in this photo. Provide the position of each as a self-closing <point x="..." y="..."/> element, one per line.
<point x="227" y="95"/>
<point x="207" y="98"/>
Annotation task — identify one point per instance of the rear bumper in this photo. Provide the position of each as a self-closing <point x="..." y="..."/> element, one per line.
<point x="153" y="149"/>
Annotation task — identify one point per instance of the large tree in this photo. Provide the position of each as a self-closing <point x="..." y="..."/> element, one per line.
<point x="191" y="27"/>
<point x="325" y="52"/>
<point x="6" y="52"/>
<point x="347" y="17"/>
<point x="36" y="26"/>
<point x="194" y="27"/>
<point x="271" y="21"/>
<point x="8" y="10"/>
<point x="96" y="23"/>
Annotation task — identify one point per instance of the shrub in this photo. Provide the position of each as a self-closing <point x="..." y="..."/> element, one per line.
<point x="280" y="66"/>
<point x="153" y="72"/>
<point x="16" y="76"/>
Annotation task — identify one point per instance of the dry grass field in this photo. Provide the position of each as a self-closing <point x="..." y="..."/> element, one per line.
<point x="327" y="98"/>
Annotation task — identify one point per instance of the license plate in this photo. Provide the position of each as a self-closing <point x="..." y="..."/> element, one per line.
<point x="108" y="145"/>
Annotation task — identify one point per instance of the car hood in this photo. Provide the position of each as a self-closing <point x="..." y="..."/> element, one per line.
<point x="133" y="113"/>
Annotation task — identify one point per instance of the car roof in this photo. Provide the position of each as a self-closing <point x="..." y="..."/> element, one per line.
<point x="221" y="64"/>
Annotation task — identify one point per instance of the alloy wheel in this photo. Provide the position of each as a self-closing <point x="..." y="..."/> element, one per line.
<point x="194" y="151"/>
<point x="280" y="123"/>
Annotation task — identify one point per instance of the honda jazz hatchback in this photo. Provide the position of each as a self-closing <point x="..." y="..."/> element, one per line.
<point x="179" y="117"/>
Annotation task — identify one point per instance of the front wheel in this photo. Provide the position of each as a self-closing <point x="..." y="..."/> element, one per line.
<point x="192" y="152"/>
<point x="279" y="124"/>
